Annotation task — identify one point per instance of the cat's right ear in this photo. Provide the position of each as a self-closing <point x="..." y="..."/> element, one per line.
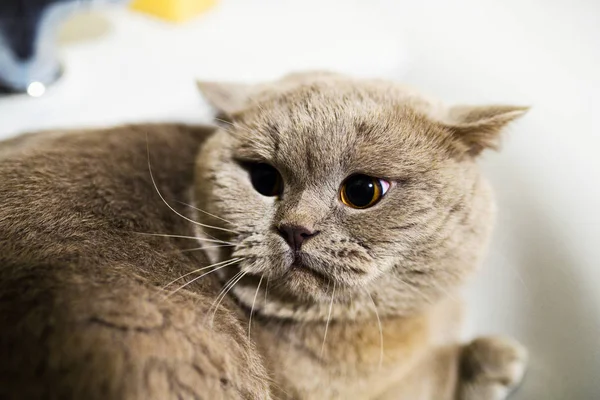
<point x="225" y="97"/>
<point x="477" y="128"/>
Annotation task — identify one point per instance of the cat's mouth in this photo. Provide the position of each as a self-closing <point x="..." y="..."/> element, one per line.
<point x="301" y="275"/>
<point x="301" y="267"/>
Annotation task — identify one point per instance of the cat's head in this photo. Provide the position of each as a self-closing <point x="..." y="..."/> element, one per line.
<point x="348" y="187"/>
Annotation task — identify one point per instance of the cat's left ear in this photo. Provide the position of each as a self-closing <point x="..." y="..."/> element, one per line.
<point x="227" y="98"/>
<point x="478" y="127"/>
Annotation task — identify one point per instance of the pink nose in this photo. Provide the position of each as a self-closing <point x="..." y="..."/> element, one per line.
<point x="295" y="235"/>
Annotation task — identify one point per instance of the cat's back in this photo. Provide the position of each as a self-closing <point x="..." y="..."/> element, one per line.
<point x="82" y="311"/>
<point x="64" y="184"/>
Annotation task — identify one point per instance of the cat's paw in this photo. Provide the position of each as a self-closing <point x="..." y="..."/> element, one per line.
<point x="491" y="368"/>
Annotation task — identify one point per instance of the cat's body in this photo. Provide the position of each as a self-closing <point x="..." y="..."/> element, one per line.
<point x="352" y="370"/>
<point x="365" y="308"/>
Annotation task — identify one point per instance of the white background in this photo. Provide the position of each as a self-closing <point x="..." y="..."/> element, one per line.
<point x="541" y="281"/>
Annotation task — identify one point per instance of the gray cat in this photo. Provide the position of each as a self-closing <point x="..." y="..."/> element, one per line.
<point x="334" y="220"/>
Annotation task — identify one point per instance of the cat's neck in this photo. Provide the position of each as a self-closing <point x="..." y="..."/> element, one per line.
<point x="261" y="303"/>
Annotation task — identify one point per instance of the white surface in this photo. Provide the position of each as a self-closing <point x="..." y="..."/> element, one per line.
<point x="541" y="281"/>
<point x="144" y="69"/>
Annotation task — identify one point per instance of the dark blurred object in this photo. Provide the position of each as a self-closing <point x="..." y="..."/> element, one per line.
<point x="28" y="51"/>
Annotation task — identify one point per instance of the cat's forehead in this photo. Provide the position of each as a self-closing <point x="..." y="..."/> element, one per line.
<point x="325" y="131"/>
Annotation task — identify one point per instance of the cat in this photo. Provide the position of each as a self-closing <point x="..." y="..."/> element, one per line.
<point x="337" y="219"/>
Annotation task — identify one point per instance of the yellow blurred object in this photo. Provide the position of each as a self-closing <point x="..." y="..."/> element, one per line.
<point x="173" y="10"/>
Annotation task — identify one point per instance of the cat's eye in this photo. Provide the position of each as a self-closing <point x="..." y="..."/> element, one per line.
<point x="363" y="191"/>
<point x="265" y="179"/>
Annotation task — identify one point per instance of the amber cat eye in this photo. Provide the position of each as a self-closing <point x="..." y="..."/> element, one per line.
<point x="265" y="179"/>
<point x="362" y="191"/>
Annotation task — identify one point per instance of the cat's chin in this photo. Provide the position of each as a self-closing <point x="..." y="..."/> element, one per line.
<point x="305" y="282"/>
<point x="301" y="297"/>
<point x="299" y="286"/>
<point x="298" y="278"/>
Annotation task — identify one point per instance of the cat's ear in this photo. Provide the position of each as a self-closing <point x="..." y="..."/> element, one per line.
<point x="478" y="127"/>
<point x="226" y="97"/>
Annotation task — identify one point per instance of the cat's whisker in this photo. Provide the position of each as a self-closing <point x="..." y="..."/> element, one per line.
<point x="380" y="330"/>
<point x="253" y="303"/>
<point x="231" y="285"/>
<point x="206" y="247"/>
<point x="205" y="212"/>
<point x="328" y="319"/>
<point x="170" y="207"/>
<point x="230" y="131"/>
<point x="433" y="283"/>
<point x="410" y="287"/>
<point x="185" y="237"/>
<point x="225" y="286"/>
<point x="232" y="125"/>
<point x="445" y="291"/>
<point x="516" y="272"/>
<point x="225" y="125"/>
<point x="223" y="121"/>
<point x="267" y="287"/>
<point x="231" y="262"/>
<point x="198" y="270"/>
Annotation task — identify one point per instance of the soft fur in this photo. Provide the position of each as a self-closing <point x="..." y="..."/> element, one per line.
<point x="83" y="303"/>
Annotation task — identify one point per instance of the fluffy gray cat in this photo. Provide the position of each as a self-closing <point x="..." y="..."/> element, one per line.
<point x="336" y="217"/>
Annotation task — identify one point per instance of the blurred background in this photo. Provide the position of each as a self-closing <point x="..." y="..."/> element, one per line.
<point x="118" y="62"/>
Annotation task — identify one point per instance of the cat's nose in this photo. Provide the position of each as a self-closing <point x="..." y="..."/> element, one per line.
<point x="295" y="235"/>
